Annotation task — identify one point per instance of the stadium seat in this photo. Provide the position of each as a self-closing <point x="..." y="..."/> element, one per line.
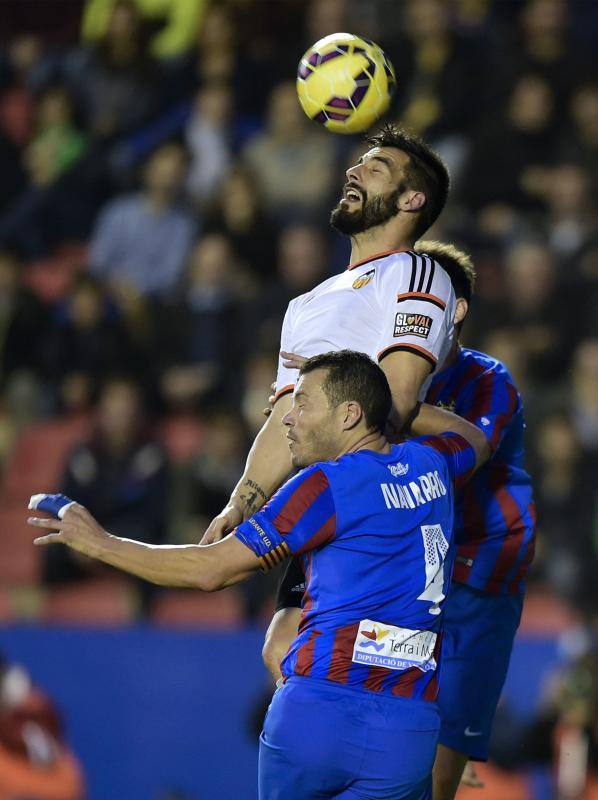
<point x="101" y="601"/>
<point x="498" y="785"/>
<point x="189" y="609"/>
<point x="19" y="559"/>
<point x="545" y="614"/>
<point x="27" y="472"/>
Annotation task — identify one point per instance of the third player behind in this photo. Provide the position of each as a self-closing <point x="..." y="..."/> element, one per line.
<point x="495" y="537"/>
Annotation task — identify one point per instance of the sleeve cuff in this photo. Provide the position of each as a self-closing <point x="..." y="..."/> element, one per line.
<point x="285" y="390"/>
<point x="411" y="348"/>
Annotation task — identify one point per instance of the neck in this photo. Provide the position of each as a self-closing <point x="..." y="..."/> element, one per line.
<point x="378" y="240"/>
<point x="453" y="353"/>
<point x="371" y="440"/>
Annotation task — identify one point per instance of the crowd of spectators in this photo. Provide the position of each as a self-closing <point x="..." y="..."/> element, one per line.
<point x="165" y="141"/>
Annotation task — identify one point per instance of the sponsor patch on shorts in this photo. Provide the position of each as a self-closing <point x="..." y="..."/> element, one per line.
<point x="412" y="325"/>
<point x="380" y="645"/>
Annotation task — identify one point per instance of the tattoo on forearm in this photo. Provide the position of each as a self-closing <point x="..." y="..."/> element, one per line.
<point x="254" y="497"/>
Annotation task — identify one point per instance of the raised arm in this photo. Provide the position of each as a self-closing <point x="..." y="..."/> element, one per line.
<point x="417" y="307"/>
<point x="406" y="373"/>
<point x="268" y="466"/>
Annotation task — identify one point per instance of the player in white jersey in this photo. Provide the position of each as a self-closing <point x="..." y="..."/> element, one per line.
<point x="394" y="302"/>
<point x="391" y="303"/>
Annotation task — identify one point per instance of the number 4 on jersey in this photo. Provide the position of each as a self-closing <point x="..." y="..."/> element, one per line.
<point x="435" y="550"/>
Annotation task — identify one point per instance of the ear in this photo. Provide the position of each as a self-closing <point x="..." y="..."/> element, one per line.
<point x="352" y="414"/>
<point x="411" y="201"/>
<point x="461" y="309"/>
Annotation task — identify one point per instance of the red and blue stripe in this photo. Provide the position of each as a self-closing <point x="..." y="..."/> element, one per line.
<point x="494" y="512"/>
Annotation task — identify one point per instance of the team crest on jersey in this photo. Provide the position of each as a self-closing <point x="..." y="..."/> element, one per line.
<point x="412" y="325"/>
<point x="398" y="469"/>
<point x="364" y="279"/>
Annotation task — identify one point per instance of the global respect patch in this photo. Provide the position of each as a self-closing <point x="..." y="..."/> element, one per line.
<point x="412" y="325"/>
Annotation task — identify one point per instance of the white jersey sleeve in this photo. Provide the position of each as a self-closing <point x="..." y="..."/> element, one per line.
<point x="418" y="306"/>
<point x="286" y="378"/>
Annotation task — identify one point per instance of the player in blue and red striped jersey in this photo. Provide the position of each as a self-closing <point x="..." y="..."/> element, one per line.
<point x="495" y="537"/>
<point x="494" y="534"/>
<point x="372" y="522"/>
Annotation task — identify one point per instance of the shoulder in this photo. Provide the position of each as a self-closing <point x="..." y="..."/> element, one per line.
<point x="398" y="264"/>
<point x="125" y="205"/>
<point x="483" y="366"/>
<point x="350" y="468"/>
<point x="415" y="276"/>
<point x="302" y="299"/>
<point x="431" y="278"/>
<point x="420" y="449"/>
<point x="307" y="484"/>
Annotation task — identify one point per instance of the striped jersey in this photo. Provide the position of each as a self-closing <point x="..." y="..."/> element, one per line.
<point x="494" y="512"/>
<point x="393" y="301"/>
<point x="374" y="532"/>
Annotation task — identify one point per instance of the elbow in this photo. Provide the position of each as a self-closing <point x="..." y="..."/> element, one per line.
<point x="482" y="449"/>
<point x="207" y="582"/>
<point x="272" y="656"/>
<point x="268" y="652"/>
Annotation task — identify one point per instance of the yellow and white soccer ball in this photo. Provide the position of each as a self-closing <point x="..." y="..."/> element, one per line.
<point x="345" y="83"/>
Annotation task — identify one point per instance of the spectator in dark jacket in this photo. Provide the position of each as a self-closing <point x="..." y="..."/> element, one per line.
<point x="121" y="475"/>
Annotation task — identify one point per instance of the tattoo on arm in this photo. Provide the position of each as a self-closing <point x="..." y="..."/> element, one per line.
<point x="254" y="497"/>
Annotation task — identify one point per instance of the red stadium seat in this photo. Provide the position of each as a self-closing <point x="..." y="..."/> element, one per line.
<point x="189" y="609"/>
<point x="50" y="278"/>
<point x="36" y="464"/>
<point x="39" y="458"/>
<point x="19" y="558"/>
<point x="101" y="601"/>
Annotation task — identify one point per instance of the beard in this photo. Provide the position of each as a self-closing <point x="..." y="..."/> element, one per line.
<point x="373" y="212"/>
<point x="317" y="445"/>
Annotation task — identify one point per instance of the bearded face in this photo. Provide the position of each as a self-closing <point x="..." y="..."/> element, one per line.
<point x="357" y="212"/>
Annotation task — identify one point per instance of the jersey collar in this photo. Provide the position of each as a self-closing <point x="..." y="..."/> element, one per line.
<point x="375" y="258"/>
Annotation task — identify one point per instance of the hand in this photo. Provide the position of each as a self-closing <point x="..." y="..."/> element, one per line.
<point x="292" y="360"/>
<point x="223" y="524"/>
<point x="73" y="525"/>
<point x="470" y="777"/>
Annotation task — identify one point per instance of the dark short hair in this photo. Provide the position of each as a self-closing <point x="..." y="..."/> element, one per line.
<point x="456" y="263"/>
<point x="426" y="171"/>
<point x="354" y="376"/>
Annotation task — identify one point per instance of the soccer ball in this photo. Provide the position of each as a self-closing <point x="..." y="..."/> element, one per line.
<point x="345" y="83"/>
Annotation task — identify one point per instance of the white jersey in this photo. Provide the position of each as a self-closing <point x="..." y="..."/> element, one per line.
<point x="393" y="301"/>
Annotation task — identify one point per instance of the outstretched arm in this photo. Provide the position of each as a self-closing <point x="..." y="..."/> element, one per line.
<point x="191" y="566"/>
<point x="433" y="421"/>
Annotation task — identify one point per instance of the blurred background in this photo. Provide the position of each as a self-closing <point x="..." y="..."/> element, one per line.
<point x="162" y="198"/>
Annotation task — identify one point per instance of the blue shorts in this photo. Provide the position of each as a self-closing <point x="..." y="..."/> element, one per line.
<point x="326" y="741"/>
<point x="479" y="629"/>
